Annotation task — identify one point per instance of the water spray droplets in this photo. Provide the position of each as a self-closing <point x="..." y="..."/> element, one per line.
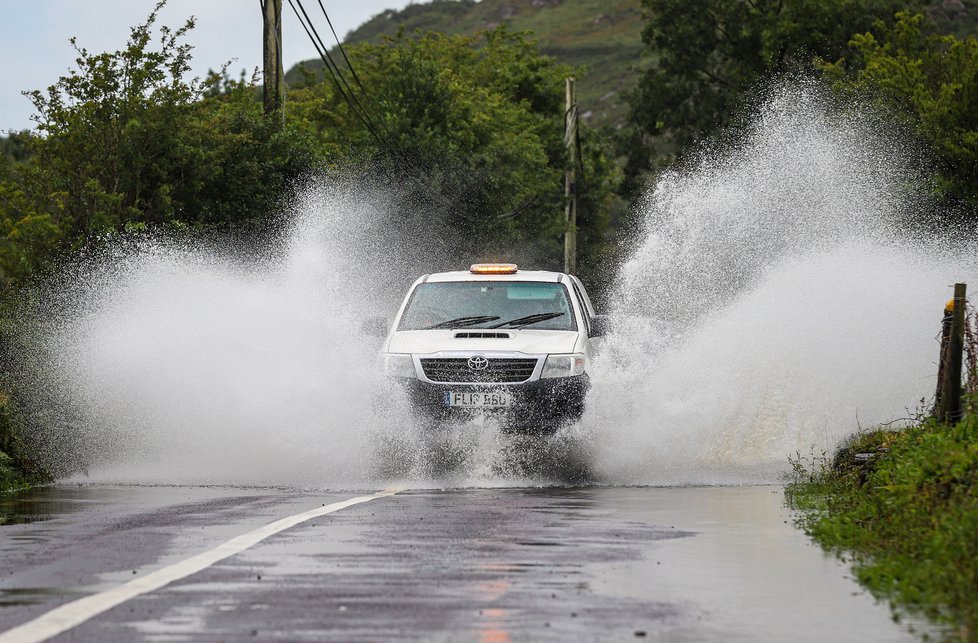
<point x="772" y="301"/>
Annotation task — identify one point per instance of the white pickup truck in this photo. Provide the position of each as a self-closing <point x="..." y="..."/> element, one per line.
<point x="494" y="340"/>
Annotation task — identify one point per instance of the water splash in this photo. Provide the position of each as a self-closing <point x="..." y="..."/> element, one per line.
<point x="184" y="363"/>
<point x="176" y="362"/>
<point x="772" y="305"/>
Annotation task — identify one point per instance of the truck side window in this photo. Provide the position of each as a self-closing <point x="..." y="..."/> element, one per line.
<point x="583" y="305"/>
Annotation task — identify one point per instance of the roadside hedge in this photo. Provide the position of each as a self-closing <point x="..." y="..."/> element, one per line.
<point x="902" y="506"/>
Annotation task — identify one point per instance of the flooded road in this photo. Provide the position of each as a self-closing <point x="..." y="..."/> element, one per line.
<point x="667" y="564"/>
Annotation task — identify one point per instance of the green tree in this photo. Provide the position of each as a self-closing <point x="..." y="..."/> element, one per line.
<point x="473" y="126"/>
<point x="107" y="129"/>
<point x="14" y="146"/>
<point x="468" y="128"/>
<point x="707" y="58"/>
<point x="929" y="83"/>
<point x="128" y="140"/>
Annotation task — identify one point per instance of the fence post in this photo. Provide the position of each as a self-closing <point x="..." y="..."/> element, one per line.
<point x="949" y="409"/>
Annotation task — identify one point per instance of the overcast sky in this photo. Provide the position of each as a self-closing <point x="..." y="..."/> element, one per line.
<point x="34" y="48"/>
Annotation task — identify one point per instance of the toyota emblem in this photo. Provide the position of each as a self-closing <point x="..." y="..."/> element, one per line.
<point x="478" y="363"/>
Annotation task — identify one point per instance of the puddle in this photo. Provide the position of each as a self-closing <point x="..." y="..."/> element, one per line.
<point x="746" y="565"/>
<point x="40" y="504"/>
<point x="34" y="595"/>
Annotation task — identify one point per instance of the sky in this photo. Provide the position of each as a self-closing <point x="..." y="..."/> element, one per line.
<point x="35" y="52"/>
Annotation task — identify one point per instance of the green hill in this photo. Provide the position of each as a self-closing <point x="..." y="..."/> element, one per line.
<point x="958" y="17"/>
<point x="602" y="35"/>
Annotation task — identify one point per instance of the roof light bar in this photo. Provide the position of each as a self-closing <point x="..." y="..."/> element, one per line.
<point x="493" y="269"/>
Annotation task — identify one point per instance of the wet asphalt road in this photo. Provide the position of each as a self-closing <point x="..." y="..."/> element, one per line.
<point x="602" y="564"/>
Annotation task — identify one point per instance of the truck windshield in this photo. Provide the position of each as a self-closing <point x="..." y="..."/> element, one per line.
<point x="489" y="304"/>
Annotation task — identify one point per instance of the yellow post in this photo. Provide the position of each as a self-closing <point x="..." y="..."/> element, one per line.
<point x="949" y="408"/>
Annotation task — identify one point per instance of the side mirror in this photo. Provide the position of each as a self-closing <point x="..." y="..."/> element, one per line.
<point x="374" y="327"/>
<point x="600" y="325"/>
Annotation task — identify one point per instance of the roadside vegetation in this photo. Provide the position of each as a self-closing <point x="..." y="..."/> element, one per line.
<point x="601" y="35"/>
<point x="902" y="507"/>
<point x="17" y="469"/>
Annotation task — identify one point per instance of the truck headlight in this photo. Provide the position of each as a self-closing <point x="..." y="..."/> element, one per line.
<point x="563" y="365"/>
<point x="397" y="365"/>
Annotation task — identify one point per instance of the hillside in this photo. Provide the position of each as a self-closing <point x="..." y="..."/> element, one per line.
<point x="958" y="17"/>
<point x="602" y="35"/>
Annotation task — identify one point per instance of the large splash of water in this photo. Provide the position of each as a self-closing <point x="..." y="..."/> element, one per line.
<point x="771" y="305"/>
<point x="774" y="305"/>
<point x="186" y="364"/>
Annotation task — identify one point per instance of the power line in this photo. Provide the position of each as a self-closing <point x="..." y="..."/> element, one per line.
<point x="317" y="42"/>
<point x="363" y="114"/>
<point x="412" y="170"/>
<point x="350" y="96"/>
<point x="343" y="51"/>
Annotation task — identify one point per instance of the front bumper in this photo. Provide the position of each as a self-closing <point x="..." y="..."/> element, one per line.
<point x="538" y="405"/>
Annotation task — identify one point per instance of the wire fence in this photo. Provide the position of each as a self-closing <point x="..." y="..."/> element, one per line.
<point x="971" y="359"/>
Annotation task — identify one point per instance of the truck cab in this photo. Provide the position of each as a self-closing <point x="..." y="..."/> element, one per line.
<point x="494" y="340"/>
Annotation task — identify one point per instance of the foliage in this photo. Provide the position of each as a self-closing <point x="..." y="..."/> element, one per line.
<point x="473" y="125"/>
<point x="957" y="17"/>
<point x="599" y="35"/>
<point x="707" y="63"/>
<point x="14" y="147"/>
<point x="17" y="469"/>
<point x="906" y="516"/>
<point x="928" y="82"/>
<point x="125" y="140"/>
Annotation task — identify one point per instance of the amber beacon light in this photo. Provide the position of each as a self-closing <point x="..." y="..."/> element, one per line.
<point x="493" y="269"/>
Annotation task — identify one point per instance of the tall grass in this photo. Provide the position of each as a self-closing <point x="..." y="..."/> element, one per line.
<point x="903" y="507"/>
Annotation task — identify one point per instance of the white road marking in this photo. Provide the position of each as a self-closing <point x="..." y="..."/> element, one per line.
<point x="69" y="615"/>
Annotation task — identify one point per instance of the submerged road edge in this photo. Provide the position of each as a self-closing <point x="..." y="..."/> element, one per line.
<point x="69" y="615"/>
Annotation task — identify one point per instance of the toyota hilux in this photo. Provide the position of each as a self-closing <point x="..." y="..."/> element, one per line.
<point x="494" y="340"/>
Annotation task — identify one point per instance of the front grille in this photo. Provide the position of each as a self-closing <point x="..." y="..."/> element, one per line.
<point x="456" y="369"/>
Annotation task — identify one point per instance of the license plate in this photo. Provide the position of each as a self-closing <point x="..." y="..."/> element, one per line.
<point x="478" y="399"/>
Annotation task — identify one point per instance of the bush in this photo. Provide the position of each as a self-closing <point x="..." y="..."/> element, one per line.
<point x="17" y="470"/>
<point x="907" y="515"/>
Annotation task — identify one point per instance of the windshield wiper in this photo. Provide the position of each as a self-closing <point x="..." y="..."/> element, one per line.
<point x="460" y="322"/>
<point x="529" y="319"/>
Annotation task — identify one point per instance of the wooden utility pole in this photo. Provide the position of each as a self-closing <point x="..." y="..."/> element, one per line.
<point x="274" y="77"/>
<point x="949" y="409"/>
<point x="570" y="181"/>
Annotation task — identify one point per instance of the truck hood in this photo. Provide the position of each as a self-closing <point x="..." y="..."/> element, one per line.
<point x="523" y="341"/>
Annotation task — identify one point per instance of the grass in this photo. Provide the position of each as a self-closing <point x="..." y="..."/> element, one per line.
<point x="11" y="479"/>
<point x="17" y="470"/>
<point x="902" y="506"/>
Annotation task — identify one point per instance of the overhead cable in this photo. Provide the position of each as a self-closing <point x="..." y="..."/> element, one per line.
<point x="317" y="42"/>
<point x="339" y="44"/>
<point x="363" y="114"/>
